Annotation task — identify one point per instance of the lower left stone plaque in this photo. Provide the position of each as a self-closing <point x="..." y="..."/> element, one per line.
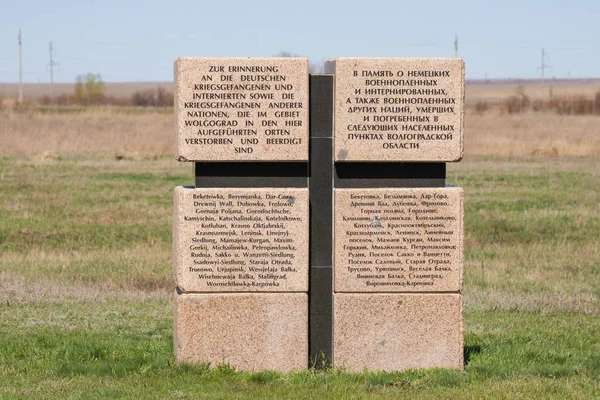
<point x="240" y="240"/>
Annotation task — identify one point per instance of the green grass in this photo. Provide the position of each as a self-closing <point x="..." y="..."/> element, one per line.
<point x="85" y="308"/>
<point x="123" y="350"/>
<point x="531" y="234"/>
<point x="552" y="356"/>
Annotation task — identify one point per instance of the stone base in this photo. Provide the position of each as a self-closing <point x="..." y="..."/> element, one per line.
<point x="393" y="332"/>
<point x="262" y="331"/>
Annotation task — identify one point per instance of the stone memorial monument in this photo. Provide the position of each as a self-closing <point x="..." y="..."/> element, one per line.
<point x="320" y="223"/>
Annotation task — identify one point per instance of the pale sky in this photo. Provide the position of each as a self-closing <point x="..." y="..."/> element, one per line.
<point x="138" y="41"/>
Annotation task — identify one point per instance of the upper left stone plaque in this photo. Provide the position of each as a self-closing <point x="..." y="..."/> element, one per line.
<point x="241" y="109"/>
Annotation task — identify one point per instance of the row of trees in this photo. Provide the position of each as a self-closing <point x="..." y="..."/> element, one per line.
<point x="89" y="90"/>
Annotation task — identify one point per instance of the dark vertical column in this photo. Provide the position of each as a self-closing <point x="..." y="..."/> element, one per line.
<point x="320" y="193"/>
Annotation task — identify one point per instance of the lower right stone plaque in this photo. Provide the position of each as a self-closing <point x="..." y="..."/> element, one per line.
<point x="393" y="331"/>
<point x="398" y="240"/>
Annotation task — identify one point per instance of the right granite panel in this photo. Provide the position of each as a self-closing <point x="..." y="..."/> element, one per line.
<point x="398" y="240"/>
<point x="398" y="109"/>
<point x="394" y="332"/>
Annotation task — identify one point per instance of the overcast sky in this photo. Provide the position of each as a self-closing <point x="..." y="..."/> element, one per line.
<point x="138" y="41"/>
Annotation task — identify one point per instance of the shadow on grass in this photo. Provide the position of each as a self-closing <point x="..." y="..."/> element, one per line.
<point x="470" y="350"/>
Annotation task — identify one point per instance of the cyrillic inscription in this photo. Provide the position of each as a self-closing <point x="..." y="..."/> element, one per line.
<point x="233" y="109"/>
<point x="398" y="240"/>
<point x="398" y="109"/>
<point x="232" y="240"/>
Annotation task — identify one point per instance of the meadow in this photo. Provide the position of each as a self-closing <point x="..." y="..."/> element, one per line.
<point x="85" y="261"/>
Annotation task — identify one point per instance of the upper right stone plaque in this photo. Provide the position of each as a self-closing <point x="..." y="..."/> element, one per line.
<point x="398" y="109"/>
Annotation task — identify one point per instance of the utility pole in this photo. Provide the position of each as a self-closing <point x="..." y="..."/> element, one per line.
<point x="51" y="64"/>
<point x="543" y="66"/>
<point x="455" y="46"/>
<point x="20" y="70"/>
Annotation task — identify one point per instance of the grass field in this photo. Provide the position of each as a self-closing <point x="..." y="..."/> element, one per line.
<point x="85" y="309"/>
<point x="85" y="261"/>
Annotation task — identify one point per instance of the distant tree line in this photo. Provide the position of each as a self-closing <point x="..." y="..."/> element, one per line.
<point x="90" y="91"/>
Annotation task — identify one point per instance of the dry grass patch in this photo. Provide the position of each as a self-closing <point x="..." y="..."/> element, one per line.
<point x="47" y="137"/>
<point x="501" y="135"/>
<point x="537" y="277"/>
<point x="496" y="92"/>
<point x="14" y="289"/>
<point x="95" y="131"/>
<point x="35" y="91"/>
<point x="139" y="267"/>
<point x="477" y="299"/>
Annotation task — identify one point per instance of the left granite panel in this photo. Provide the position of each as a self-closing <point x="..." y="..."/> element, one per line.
<point x="241" y="109"/>
<point x="249" y="331"/>
<point x="240" y="240"/>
